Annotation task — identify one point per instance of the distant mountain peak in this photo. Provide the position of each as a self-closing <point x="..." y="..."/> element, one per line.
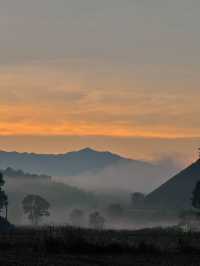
<point x="87" y="150"/>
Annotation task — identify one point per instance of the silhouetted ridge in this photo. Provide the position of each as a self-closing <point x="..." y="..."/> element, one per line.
<point x="87" y="150"/>
<point x="68" y="164"/>
<point x="12" y="173"/>
<point x="177" y="192"/>
<point x="84" y="168"/>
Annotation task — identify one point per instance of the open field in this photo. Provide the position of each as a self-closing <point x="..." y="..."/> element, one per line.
<point x="69" y="246"/>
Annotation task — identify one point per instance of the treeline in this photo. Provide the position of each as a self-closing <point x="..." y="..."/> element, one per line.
<point x="12" y="173"/>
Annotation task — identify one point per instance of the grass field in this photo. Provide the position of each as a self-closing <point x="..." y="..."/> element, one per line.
<point x="70" y="246"/>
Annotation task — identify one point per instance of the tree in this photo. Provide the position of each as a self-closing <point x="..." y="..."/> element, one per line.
<point x="196" y="196"/>
<point x="96" y="221"/>
<point x="35" y="207"/>
<point x="3" y="197"/>
<point x="115" y="210"/>
<point x="137" y="199"/>
<point x="76" y="217"/>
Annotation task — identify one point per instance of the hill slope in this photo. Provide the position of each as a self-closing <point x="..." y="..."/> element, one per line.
<point x="177" y="192"/>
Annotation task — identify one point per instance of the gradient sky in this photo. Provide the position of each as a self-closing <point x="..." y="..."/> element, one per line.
<point x="111" y="72"/>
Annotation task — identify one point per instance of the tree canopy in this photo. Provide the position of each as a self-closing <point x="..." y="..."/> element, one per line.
<point x="77" y="217"/>
<point x="96" y="221"/>
<point x="196" y="196"/>
<point x="35" y="207"/>
<point x="3" y="196"/>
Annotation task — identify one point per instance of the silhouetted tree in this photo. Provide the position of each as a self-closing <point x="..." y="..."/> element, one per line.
<point x="137" y="199"/>
<point x="35" y="207"/>
<point x="188" y="219"/>
<point x="196" y="196"/>
<point x="77" y="217"/>
<point x="115" y="210"/>
<point x="96" y="221"/>
<point x="3" y="197"/>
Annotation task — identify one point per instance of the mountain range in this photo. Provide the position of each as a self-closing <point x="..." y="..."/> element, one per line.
<point x="68" y="164"/>
<point x="90" y="169"/>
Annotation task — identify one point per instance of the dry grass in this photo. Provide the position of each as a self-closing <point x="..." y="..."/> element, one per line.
<point x="71" y="246"/>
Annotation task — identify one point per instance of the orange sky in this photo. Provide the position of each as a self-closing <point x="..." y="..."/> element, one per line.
<point x="58" y="108"/>
<point x="57" y="100"/>
<point x="109" y="68"/>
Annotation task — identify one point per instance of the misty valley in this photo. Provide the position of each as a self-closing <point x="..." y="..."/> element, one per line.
<point x="44" y="213"/>
<point x="88" y="181"/>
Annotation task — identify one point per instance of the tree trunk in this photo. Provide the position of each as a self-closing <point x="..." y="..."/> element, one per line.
<point x="6" y="212"/>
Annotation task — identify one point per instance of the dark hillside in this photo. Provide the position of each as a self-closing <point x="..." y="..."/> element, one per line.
<point x="177" y="192"/>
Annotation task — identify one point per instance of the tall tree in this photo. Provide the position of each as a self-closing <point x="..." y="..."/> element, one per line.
<point x="115" y="210"/>
<point x="96" y="221"/>
<point x="3" y="196"/>
<point x="77" y="217"/>
<point x="137" y="199"/>
<point x="196" y="196"/>
<point x="36" y="208"/>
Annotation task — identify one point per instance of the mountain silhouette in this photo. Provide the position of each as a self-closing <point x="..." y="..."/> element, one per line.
<point x="91" y="169"/>
<point x="176" y="193"/>
<point x="68" y="164"/>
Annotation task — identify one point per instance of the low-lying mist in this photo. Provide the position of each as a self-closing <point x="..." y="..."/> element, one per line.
<point x="95" y="192"/>
<point x="64" y="199"/>
<point x="124" y="177"/>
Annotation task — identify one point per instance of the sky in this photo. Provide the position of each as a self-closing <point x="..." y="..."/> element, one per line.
<point x="111" y="74"/>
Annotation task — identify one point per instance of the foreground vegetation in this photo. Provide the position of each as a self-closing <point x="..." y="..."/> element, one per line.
<point x="73" y="246"/>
